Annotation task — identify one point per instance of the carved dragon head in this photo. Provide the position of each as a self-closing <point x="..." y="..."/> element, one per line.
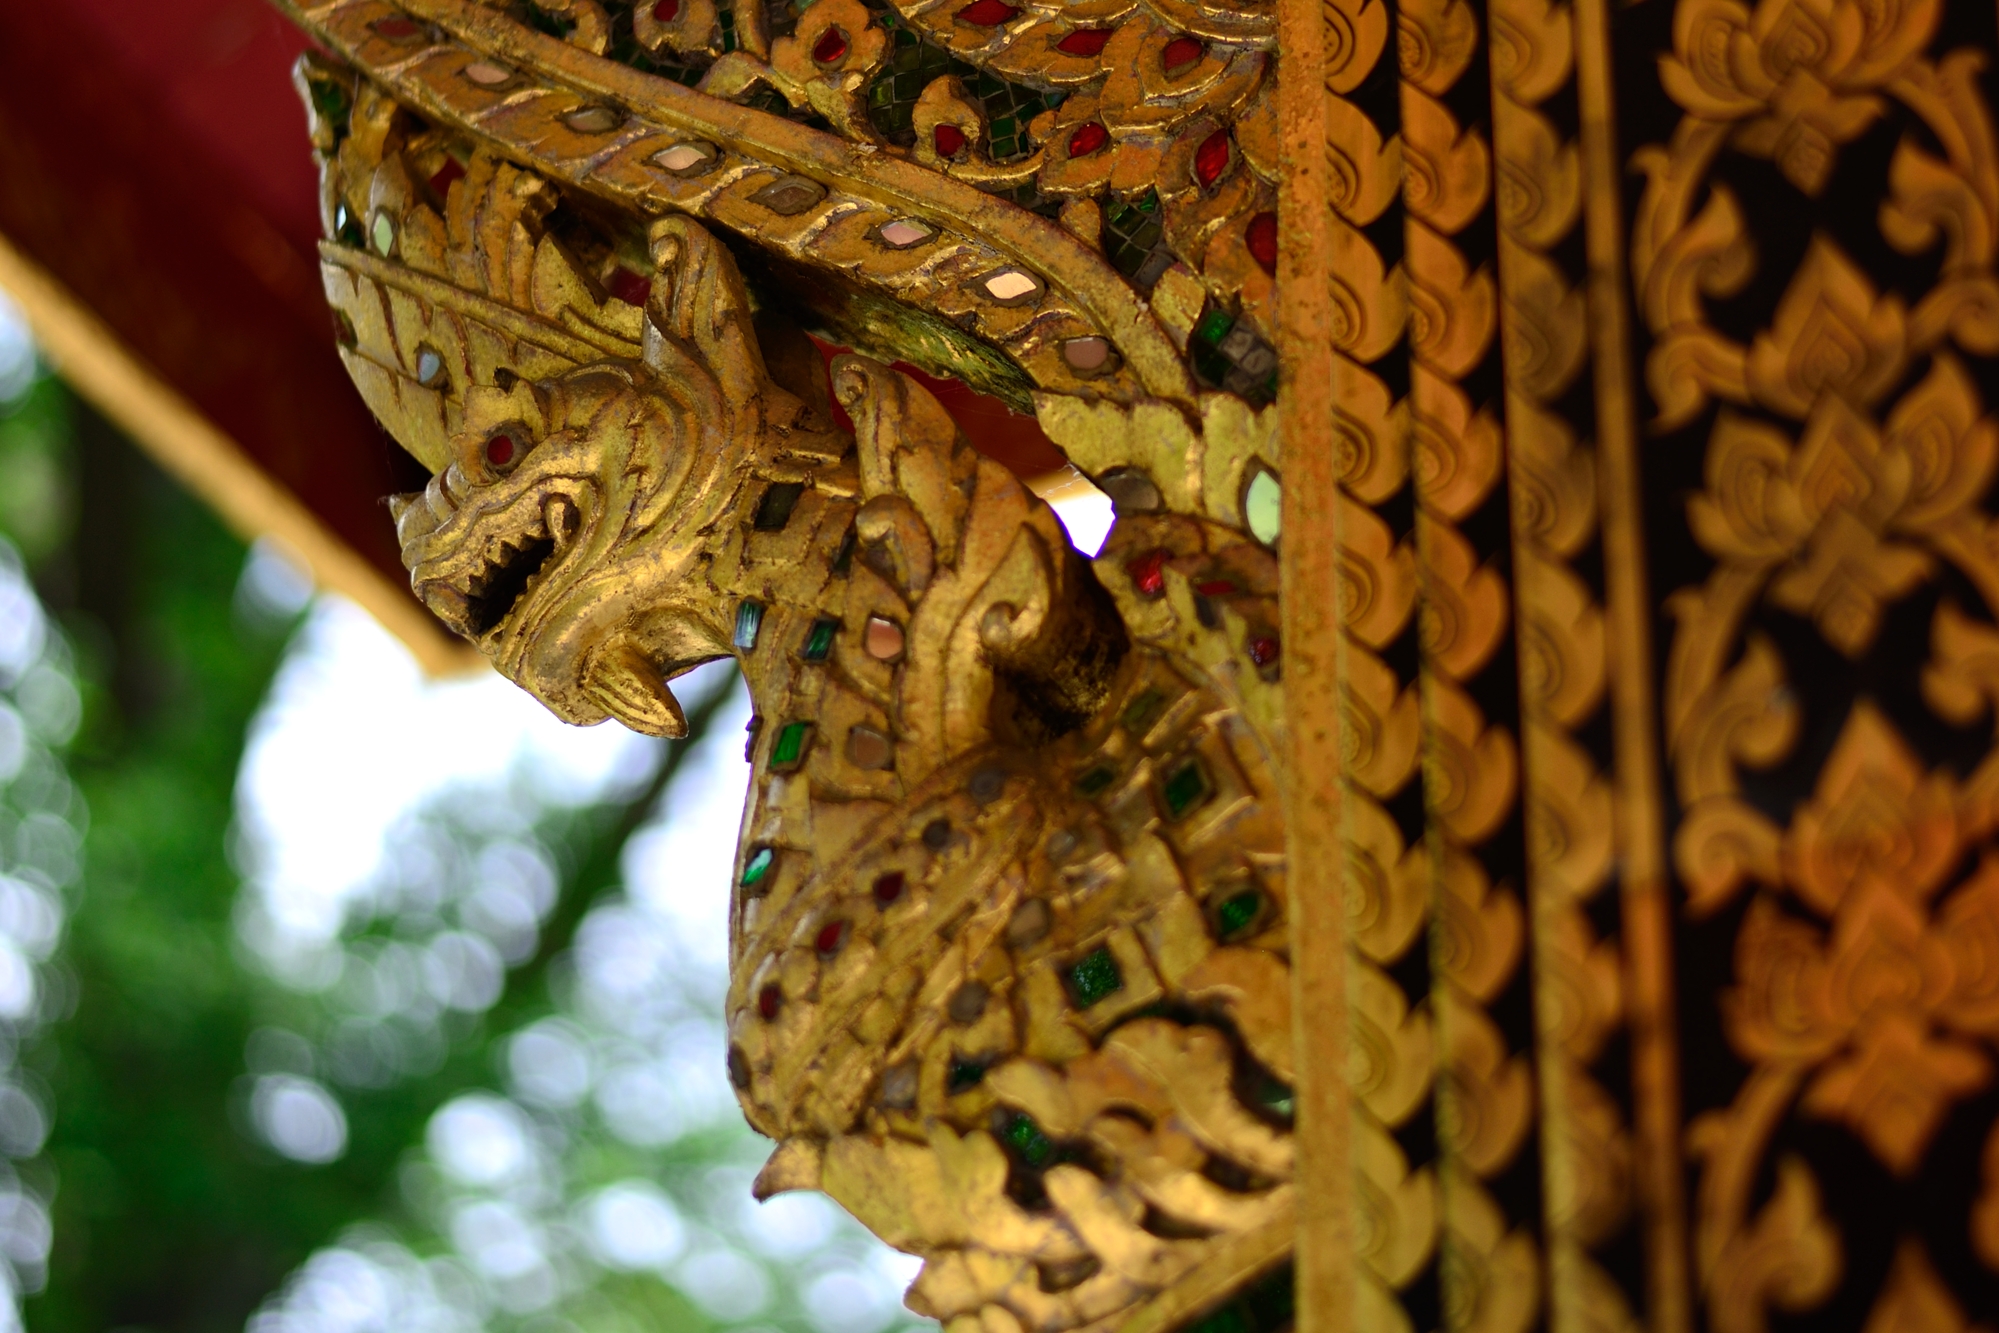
<point x="566" y="535"/>
<point x="1006" y="975"/>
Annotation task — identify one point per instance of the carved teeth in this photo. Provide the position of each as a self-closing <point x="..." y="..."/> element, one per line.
<point x="450" y="605"/>
<point x="559" y="518"/>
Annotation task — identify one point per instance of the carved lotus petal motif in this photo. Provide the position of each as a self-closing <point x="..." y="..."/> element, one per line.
<point x="1791" y="37"/>
<point x="1778" y="1008"/>
<point x="1961" y="681"/>
<point x="1434" y="42"/>
<point x="1914" y="1296"/>
<point x="1895" y="1088"/>
<point x="1833" y="334"/>
<point x="1948" y="451"/>
<point x="1846" y="578"/>
<point x="1885" y="960"/>
<point x="1806" y="128"/>
<point x="1751" y="509"/>
<point x="1877" y="819"/>
<point x="1841" y="465"/>
<point x="1707" y="71"/>
<point x="1728" y="62"/>
<point x="1968" y="925"/>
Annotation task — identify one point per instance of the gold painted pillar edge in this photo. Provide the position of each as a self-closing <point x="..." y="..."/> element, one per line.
<point x="1640" y="821"/>
<point x="1319" y="973"/>
<point x="184" y="442"/>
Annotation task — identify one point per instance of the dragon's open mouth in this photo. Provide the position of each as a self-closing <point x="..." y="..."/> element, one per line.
<point x="475" y="594"/>
<point x="494" y="591"/>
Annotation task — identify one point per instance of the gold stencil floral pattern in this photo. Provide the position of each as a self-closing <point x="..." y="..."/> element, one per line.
<point x="1836" y="789"/>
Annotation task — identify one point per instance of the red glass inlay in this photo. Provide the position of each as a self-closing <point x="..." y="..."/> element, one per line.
<point x="1085" y="42"/>
<point x="1148" y="573"/>
<point x="831" y="936"/>
<point x="1088" y="139"/>
<point x="830" y="47"/>
<point x="1263" y="649"/>
<point x="1211" y="159"/>
<point x="888" y="888"/>
<point x="986" y="13"/>
<point x="1262" y="240"/>
<point x="768" y="1001"/>
<point x="1182" y="52"/>
<point x="950" y="140"/>
<point x="500" y="450"/>
<point x="666" y="10"/>
<point x="1215" y="588"/>
<point x="628" y="286"/>
<point x="396" y="29"/>
<point x="441" y="179"/>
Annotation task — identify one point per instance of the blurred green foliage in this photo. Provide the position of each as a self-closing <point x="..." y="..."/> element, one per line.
<point x="170" y="1212"/>
<point x="165" y="1216"/>
<point x="169" y="1217"/>
<point x="37" y="504"/>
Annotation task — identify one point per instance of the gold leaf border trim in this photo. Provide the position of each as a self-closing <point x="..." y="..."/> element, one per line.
<point x="1658" y="1166"/>
<point x="1073" y="270"/>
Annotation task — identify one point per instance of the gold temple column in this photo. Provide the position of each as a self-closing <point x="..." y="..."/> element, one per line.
<point x="1308" y="559"/>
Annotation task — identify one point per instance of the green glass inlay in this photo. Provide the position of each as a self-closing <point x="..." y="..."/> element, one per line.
<point x="774" y="510"/>
<point x="666" y="63"/>
<point x="749" y="619"/>
<point x="913" y="64"/>
<point x="1214" y="327"/>
<point x="1276" y="1097"/>
<point x="1228" y="1319"/>
<point x="1265" y="1306"/>
<point x="553" y="24"/>
<point x="1263" y="506"/>
<point x="1272" y="1302"/>
<point x="1140" y="712"/>
<point x="1134" y="239"/>
<point x="384" y="234"/>
<point x="757" y="866"/>
<point x="790" y="747"/>
<point x="1210" y="365"/>
<point x="330" y="101"/>
<point x="1095" y="781"/>
<point x="819" y="642"/>
<point x="1025" y="1137"/>
<point x="346" y="230"/>
<point x="1185" y="788"/>
<point x="1238" y="913"/>
<point x="964" y="1074"/>
<point x="843" y="559"/>
<point x="1094" y="978"/>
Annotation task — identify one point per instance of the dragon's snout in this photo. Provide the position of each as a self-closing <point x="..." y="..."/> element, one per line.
<point x="475" y="572"/>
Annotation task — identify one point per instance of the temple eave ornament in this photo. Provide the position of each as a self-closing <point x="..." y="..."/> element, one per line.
<point x="1013" y="856"/>
<point x="1638" y="724"/>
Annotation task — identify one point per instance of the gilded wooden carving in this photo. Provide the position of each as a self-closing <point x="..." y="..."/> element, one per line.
<point x="1819" y="703"/>
<point x="1641" y="693"/>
